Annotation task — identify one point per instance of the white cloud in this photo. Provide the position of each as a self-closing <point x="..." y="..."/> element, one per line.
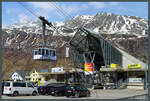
<point x="23" y="18"/>
<point x="97" y="5"/>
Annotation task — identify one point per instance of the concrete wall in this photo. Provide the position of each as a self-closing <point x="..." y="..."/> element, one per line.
<point x="128" y="59"/>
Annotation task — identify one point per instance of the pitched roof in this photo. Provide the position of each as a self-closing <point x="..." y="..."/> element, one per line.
<point x="23" y="73"/>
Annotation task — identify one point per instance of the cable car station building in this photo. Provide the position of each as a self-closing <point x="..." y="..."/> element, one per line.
<point x="111" y="65"/>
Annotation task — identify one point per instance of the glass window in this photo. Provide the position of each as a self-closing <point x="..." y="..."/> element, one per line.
<point x="29" y="85"/>
<point x="46" y="52"/>
<point x="17" y="84"/>
<point x="36" y="52"/>
<point x="23" y="84"/>
<point x="43" y="51"/>
<point x="83" y="88"/>
<point x="7" y="84"/>
<point x="39" y="51"/>
<point x="52" y="53"/>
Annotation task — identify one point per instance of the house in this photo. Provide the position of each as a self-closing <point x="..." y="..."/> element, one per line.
<point x="39" y="75"/>
<point x="20" y="75"/>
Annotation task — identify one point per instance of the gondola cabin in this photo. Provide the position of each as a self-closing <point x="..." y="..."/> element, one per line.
<point x="44" y="54"/>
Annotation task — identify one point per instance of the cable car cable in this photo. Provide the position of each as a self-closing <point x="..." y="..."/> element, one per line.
<point x="32" y="12"/>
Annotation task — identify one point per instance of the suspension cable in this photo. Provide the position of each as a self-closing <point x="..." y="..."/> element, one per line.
<point x="28" y="9"/>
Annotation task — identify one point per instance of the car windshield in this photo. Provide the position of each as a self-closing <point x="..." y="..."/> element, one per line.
<point x="7" y="84"/>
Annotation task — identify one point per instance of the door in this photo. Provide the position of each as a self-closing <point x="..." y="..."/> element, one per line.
<point x="30" y="88"/>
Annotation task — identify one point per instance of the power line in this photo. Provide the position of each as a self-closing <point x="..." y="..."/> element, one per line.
<point x="28" y="9"/>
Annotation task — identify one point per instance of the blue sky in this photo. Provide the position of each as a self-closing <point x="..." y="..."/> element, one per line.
<point x="13" y="12"/>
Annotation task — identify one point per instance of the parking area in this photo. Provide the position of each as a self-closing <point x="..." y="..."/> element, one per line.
<point x="95" y="94"/>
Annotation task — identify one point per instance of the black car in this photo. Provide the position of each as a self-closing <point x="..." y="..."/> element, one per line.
<point x="77" y="91"/>
<point x="58" y="90"/>
<point x="48" y="88"/>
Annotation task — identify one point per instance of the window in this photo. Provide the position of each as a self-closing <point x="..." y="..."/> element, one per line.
<point x="29" y="85"/>
<point x="19" y="84"/>
<point x="7" y="84"/>
<point x="83" y="88"/>
<point x="43" y="51"/>
<point x="46" y="52"/>
<point x="36" y="52"/>
<point x="39" y="51"/>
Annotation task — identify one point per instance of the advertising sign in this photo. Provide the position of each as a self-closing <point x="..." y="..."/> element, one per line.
<point x="57" y="69"/>
<point x="134" y="66"/>
<point x="88" y="68"/>
<point x="135" y="79"/>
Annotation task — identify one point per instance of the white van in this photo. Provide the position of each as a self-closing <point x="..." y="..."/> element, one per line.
<point x="19" y="88"/>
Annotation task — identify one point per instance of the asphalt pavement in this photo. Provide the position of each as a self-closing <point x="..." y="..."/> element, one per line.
<point x="95" y="94"/>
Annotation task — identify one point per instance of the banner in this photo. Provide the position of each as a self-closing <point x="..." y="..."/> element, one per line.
<point x="67" y="52"/>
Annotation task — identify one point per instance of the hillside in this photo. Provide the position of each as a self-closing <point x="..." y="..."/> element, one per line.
<point x="18" y="40"/>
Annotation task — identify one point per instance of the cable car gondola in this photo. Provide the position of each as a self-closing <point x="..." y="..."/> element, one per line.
<point x="44" y="54"/>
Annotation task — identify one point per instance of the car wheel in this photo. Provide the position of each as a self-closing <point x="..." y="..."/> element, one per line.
<point x="77" y="95"/>
<point x="67" y="96"/>
<point x="15" y="93"/>
<point x="34" y="93"/>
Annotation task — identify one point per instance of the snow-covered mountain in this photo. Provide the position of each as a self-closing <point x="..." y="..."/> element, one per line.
<point x="18" y="40"/>
<point x="26" y="35"/>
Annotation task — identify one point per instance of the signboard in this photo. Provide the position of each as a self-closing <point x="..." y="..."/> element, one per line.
<point x="135" y="79"/>
<point x="88" y="68"/>
<point x="57" y="69"/>
<point x="113" y="65"/>
<point x="134" y="66"/>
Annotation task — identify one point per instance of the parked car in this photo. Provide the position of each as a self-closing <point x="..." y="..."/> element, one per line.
<point x="77" y="91"/>
<point x="19" y="88"/>
<point x="47" y="89"/>
<point x="58" y="90"/>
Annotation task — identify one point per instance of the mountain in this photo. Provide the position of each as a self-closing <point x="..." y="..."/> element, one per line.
<point x="126" y="32"/>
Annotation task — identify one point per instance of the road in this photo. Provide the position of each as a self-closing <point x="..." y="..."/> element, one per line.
<point x="95" y="94"/>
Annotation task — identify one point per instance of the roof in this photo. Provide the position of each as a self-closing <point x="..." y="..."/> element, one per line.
<point x="23" y="73"/>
